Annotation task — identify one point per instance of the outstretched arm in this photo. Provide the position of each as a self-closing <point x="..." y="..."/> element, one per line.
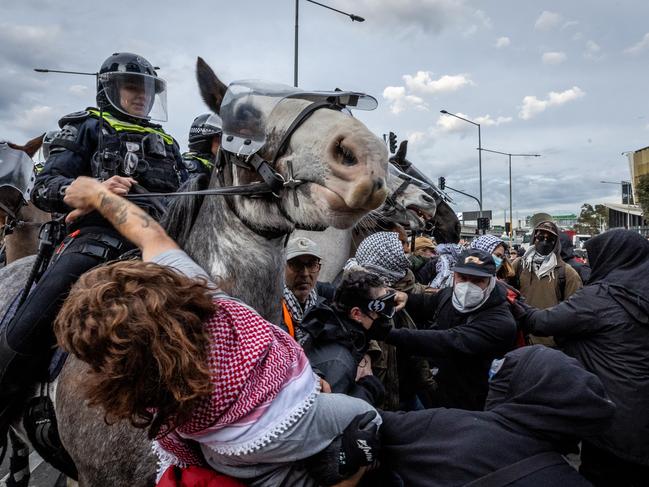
<point x="87" y="194"/>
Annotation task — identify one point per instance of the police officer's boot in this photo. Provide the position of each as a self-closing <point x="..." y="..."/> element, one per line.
<point x="12" y="391"/>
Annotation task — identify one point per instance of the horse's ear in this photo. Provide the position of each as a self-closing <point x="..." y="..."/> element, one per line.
<point x="31" y="147"/>
<point x="401" y="152"/>
<point x="212" y="89"/>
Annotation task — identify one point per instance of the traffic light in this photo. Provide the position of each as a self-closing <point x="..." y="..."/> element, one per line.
<point x="442" y="182"/>
<point x="483" y="223"/>
<point x="393" y="142"/>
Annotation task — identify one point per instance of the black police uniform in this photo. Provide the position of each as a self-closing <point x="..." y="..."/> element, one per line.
<point x="197" y="163"/>
<point x="92" y="239"/>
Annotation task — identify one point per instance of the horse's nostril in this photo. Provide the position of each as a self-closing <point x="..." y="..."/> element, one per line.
<point x="378" y="184"/>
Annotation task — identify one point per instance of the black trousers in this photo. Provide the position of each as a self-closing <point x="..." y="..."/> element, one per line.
<point x="603" y="469"/>
<point x="30" y="332"/>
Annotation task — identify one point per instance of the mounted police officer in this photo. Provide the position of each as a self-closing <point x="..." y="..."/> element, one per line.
<point x="118" y="144"/>
<point x="204" y="142"/>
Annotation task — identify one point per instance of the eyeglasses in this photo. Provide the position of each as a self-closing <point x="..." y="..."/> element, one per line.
<point x="547" y="238"/>
<point x="311" y="266"/>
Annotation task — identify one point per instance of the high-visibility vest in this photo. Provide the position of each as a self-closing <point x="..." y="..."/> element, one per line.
<point x="288" y="319"/>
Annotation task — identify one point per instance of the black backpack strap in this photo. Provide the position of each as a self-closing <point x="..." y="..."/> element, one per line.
<point x="562" y="282"/>
<point x="518" y="470"/>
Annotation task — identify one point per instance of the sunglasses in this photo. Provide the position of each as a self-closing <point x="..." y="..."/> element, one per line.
<point x="384" y="305"/>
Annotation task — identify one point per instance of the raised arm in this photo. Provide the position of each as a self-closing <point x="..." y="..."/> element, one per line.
<point x="87" y="194"/>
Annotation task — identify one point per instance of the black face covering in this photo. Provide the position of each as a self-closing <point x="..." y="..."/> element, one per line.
<point x="544" y="247"/>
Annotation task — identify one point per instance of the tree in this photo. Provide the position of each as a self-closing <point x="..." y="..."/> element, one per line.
<point x="642" y="193"/>
<point x="591" y="218"/>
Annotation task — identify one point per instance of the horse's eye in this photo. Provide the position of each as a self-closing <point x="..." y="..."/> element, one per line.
<point x="347" y="156"/>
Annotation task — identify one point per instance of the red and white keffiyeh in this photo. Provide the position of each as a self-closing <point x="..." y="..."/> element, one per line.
<point x="263" y="384"/>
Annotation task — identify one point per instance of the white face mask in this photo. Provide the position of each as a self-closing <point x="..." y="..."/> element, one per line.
<point x="468" y="296"/>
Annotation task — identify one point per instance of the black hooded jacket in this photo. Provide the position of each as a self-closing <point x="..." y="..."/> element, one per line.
<point x="568" y="256"/>
<point x="539" y="401"/>
<point x="460" y="345"/>
<point x="605" y="326"/>
<point x="335" y="345"/>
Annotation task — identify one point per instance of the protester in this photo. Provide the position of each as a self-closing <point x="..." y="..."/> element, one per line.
<point x="569" y="257"/>
<point x="336" y="342"/>
<point x="403" y="376"/>
<point x="448" y="254"/>
<point x="301" y="287"/>
<point x="472" y="325"/>
<point x="213" y="382"/>
<point x="541" y="275"/>
<point x="135" y="155"/>
<point x="606" y="327"/>
<point x="540" y="404"/>
<point x="498" y="250"/>
<point x="423" y="260"/>
<point x="204" y="142"/>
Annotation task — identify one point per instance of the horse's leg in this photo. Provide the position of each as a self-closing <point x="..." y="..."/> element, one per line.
<point x="105" y="455"/>
<point x="18" y="461"/>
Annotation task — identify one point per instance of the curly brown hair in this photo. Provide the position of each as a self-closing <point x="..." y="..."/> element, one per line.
<point x="139" y="326"/>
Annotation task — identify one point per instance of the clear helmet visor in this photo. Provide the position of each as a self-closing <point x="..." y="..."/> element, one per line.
<point x="136" y="95"/>
<point x="16" y="179"/>
<point x="248" y="107"/>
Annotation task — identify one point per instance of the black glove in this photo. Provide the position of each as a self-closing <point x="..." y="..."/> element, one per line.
<point x="360" y="445"/>
<point x="380" y="329"/>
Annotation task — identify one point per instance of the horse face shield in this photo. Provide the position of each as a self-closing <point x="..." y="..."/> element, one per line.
<point x="16" y="179"/>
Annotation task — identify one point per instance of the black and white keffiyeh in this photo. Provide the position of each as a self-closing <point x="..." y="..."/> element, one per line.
<point x="293" y="305"/>
<point x="382" y="253"/>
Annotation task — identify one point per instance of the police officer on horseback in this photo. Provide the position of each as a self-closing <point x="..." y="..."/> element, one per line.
<point x="119" y="144"/>
<point x="204" y="142"/>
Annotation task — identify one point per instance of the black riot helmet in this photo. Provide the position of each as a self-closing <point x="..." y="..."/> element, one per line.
<point x="204" y="128"/>
<point x="129" y="85"/>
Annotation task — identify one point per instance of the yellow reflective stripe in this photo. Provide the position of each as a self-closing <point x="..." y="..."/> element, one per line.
<point x="119" y="126"/>
<point x="206" y="162"/>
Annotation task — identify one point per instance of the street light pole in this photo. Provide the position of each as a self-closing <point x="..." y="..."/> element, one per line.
<point x="509" y="155"/>
<point x="352" y="17"/>
<point x="479" y="149"/>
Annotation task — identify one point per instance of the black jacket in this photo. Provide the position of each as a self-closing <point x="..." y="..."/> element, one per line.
<point x="568" y="256"/>
<point x="461" y="345"/>
<point x="160" y="167"/>
<point x="605" y="326"/>
<point x="539" y="401"/>
<point x="335" y="347"/>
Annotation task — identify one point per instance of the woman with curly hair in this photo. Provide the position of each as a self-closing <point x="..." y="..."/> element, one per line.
<point x="214" y="383"/>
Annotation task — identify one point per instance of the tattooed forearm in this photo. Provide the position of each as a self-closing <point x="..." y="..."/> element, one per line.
<point x="146" y="219"/>
<point x="114" y="209"/>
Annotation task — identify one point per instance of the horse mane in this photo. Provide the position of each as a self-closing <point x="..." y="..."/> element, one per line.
<point x="181" y="214"/>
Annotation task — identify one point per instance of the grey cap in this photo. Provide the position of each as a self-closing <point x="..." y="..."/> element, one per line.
<point x="301" y="246"/>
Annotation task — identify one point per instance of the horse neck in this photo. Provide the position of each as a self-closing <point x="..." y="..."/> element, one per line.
<point x="249" y="266"/>
<point x="23" y="240"/>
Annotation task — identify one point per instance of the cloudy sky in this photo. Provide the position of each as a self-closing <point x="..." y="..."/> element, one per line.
<point x="567" y="80"/>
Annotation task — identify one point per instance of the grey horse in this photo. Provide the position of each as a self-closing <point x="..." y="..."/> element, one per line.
<point x="240" y="241"/>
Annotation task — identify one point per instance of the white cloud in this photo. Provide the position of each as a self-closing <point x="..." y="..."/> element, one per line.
<point x="35" y="118"/>
<point x="532" y="106"/>
<point x="487" y="121"/>
<point x="553" y="57"/>
<point x="417" y="137"/>
<point x="547" y="21"/>
<point x="503" y="42"/>
<point x="577" y="36"/>
<point x="422" y="82"/>
<point x="78" y="90"/>
<point x="592" y="50"/>
<point x="399" y="101"/>
<point x="638" y="47"/>
<point x="450" y="124"/>
<point x="570" y="23"/>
